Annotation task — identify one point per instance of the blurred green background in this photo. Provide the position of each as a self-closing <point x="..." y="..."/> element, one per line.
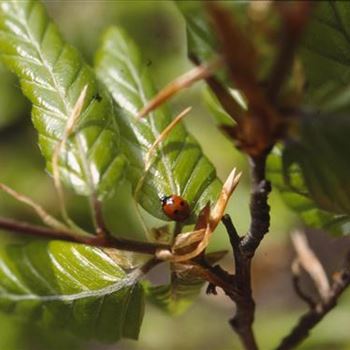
<point x="160" y="32"/>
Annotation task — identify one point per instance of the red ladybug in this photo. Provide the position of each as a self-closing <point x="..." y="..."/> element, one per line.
<point x="175" y="207"/>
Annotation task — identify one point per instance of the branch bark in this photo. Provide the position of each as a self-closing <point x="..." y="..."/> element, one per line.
<point x="244" y="249"/>
<point x="259" y="208"/>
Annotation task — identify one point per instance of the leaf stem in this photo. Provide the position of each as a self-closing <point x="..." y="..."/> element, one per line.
<point x="21" y="227"/>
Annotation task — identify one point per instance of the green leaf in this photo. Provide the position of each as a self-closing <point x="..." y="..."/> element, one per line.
<point x="316" y="161"/>
<point x="52" y="76"/>
<point x="203" y="45"/>
<point x="176" y="297"/>
<point x="184" y="288"/>
<point x="220" y="115"/>
<point x="291" y="184"/>
<point x="201" y="41"/>
<point x="70" y="286"/>
<point x="179" y="166"/>
<point x="326" y="57"/>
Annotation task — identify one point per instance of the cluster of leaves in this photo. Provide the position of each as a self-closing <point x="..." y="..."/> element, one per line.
<point x="64" y="284"/>
<point x="108" y="145"/>
<point x="311" y="167"/>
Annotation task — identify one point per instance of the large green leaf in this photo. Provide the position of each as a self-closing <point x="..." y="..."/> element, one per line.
<point x="52" y="76"/>
<point x="179" y="166"/>
<point x="326" y="57"/>
<point x="291" y="184"/>
<point x="71" y="286"/>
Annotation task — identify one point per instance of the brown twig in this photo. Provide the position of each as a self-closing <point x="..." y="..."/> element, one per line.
<point x="150" y="264"/>
<point x="242" y="322"/>
<point x="101" y="229"/>
<point x="296" y="271"/>
<point x="240" y="289"/>
<point x="109" y="242"/>
<point x="235" y="240"/>
<point x="311" y="264"/>
<point x="313" y="316"/>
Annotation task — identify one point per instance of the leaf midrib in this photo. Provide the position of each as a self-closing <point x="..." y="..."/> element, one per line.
<point x="127" y="281"/>
<point x="151" y="119"/>
<point x="56" y="87"/>
<point x="43" y="60"/>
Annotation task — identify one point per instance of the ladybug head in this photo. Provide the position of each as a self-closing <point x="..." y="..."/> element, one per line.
<point x="164" y="199"/>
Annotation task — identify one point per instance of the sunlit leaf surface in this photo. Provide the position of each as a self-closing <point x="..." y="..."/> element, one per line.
<point x="71" y="286"/>
<point x="52" y="76"/>
<point x="179" y="166"/>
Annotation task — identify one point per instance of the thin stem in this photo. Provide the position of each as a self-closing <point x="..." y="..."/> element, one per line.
<point x="311" y="264"/>
<point x="101" y="228"/>
<point x="296" y="270"/>
<point x="42" y="231"/>
<point x="232" y="232"/>
<point x="109" y="242"/>
<point x="150" y="264"/>
<point x="312" y="317"/>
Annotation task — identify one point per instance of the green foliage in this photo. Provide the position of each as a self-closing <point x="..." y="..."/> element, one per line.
<point x="176" y="297"/>
<point x="326" y="57"/>
<point x="179" y="165"/>
<point x="201" y="41"/>
<point x="315" y="161"/>
<point x="70" y="286"/>
<point x="296" y="195"/>
<point x="52" y="76"/>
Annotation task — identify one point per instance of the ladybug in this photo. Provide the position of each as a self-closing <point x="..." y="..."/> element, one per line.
<point x="175" y="207"/>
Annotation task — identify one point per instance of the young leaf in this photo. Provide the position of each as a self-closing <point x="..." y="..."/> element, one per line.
<point x="71" y="286"/>
<point x="326" y="57"/>
<point x="179" y="166"/>
<point x="184" y="288"/>
<point x="297" y="196"/>
<point x="176" y="297"/>
<point x="52" y="76"/>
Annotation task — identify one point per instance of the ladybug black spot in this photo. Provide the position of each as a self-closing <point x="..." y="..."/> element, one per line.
<point x="97" y="97"/>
